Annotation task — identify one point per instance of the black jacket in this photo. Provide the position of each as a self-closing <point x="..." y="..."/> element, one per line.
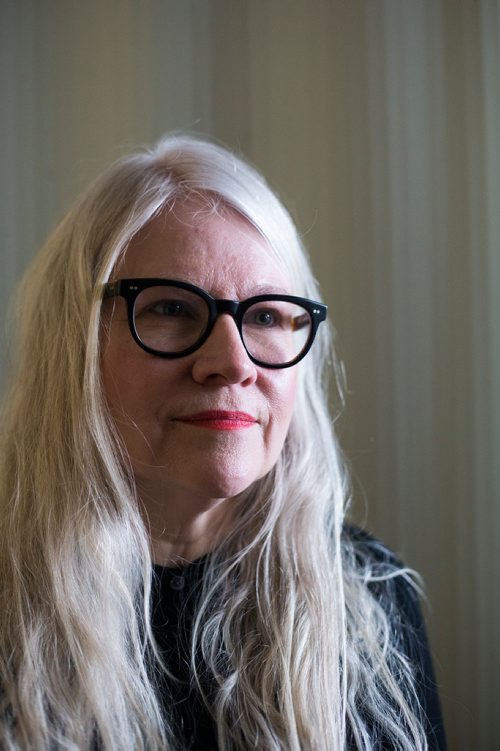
<point x="174" y="594"/>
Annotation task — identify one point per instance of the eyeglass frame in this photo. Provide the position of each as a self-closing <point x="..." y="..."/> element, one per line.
<point x="130" y="289"/>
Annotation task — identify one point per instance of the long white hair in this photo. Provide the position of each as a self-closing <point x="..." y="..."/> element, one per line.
<point x="311" y="652"/>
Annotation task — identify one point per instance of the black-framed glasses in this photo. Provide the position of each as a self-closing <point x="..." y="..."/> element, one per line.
<point x="169" y="318"/>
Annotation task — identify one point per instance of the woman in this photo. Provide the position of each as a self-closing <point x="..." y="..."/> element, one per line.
<point x="174" y="553"/>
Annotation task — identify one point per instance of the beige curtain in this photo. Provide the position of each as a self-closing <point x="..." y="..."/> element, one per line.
<point x="378" y="121"/>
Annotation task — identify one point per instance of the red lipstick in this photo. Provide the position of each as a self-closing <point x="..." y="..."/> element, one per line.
<point x="218" y="419"/>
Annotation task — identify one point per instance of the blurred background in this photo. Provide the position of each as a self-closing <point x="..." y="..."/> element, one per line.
<point x="378" y="123"/>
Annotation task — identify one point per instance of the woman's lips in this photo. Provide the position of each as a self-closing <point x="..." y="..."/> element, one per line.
<point x="219" y="420"/>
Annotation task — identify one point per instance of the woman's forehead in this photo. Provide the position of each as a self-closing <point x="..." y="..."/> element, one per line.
<point x="205" y="243"/>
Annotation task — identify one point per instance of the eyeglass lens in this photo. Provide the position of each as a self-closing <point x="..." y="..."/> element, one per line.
<point x="171" y="319"/>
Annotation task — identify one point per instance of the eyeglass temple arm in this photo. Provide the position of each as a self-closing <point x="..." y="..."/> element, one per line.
<point x="299" y="322"/>
<point x="111" y="289"/>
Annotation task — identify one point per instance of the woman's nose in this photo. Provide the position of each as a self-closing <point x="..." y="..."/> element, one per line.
<point x="223" y="359"/>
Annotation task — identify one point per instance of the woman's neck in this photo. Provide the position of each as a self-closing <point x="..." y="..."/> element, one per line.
<point x="183" y="527"/>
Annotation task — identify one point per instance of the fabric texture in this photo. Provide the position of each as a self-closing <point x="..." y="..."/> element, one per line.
<point x="173" y="606"/>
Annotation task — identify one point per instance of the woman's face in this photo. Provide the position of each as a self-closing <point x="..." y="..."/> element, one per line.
<point x="162" y="406"/>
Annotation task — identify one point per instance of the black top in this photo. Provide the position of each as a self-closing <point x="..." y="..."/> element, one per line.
<point x="173" y="598"/>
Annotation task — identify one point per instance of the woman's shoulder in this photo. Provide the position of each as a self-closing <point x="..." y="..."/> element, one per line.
<point x="384" y="572"/>
<point x="367" y="547"/>
<point x="398" y="589"/>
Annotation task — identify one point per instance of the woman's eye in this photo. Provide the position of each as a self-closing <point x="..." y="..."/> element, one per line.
<point x="168" y="308"/>
<point x="265" y="318"/>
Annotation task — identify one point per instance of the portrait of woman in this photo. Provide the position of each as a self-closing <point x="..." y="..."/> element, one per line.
<point x="178" y="569"/>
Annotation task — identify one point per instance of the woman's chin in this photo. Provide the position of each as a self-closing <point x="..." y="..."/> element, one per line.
<point x="200" y="489"/>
